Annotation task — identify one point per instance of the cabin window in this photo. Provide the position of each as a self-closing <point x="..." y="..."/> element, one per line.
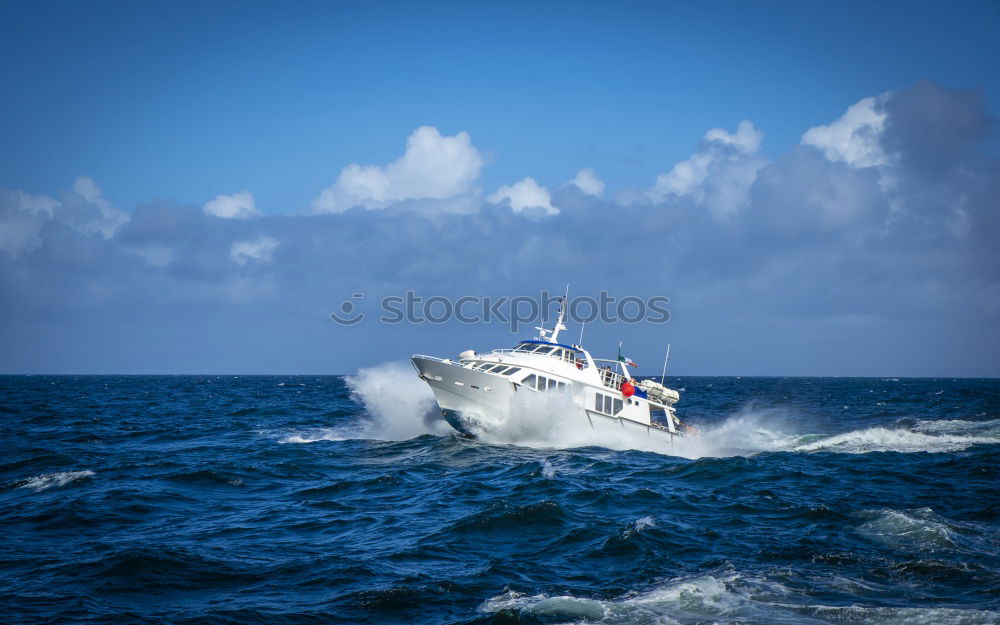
<point x="524" y="347"/>
<point x="529" y="381"/>
<point x="545" y="349"/>
<point x="607" y="404"/>
<point x="500" y="370"/>
<point x="552" y="384"/>
<point x="513" y="371"/>
<point x="658" y="416"/>
<point x="562" y="385"/>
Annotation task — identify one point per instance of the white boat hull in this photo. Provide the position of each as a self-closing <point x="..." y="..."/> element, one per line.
<point x="466" y="396"/>
<point x="471" y="401"/>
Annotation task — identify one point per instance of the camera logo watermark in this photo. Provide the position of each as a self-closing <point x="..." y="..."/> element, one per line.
<point x="513" y="312"/>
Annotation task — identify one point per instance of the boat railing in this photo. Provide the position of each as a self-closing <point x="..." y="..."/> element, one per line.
<point x="611" y="379"/>
<point x="435" y="359"/>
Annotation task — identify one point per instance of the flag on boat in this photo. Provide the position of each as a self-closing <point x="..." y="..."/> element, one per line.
<point x="625" y="359"/>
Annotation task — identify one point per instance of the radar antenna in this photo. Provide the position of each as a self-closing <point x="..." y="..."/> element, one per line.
<point x="552" y="335"/>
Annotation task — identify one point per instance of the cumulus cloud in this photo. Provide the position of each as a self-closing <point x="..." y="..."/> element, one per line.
<point x="587" y="181"/>
<point x="236" y="206"/>
<point x="107" y="220"/>
<point x="525" y="196"/>
<point x="719" y="175"/>
<point x="810" y="253"/>
<point x="855" y="138"/>
<point x="433" y="167"/>
<point x="23" y="215"/>
<point x="259" y="249"/>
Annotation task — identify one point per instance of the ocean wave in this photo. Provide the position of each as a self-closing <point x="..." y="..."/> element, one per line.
<point x="53" y="480"/>
<point x="918" y="529"/>
<point x="726" y="598"/>
<point x="927" y="436"/>
<point x="329" y="434"/>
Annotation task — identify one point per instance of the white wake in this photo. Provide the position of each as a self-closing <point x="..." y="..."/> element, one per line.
<point x="400" y="406"/>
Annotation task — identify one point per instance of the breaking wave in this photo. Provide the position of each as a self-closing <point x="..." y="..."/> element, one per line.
<point x="910" y="530"/>
<point x="925" y="436"/>
<point x="723" y="598"/>
<point x="328" y="434"/>
<point x="53" y="480"/>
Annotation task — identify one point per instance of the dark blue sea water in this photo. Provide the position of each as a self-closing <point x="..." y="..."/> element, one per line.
<point x="205" y="499"/>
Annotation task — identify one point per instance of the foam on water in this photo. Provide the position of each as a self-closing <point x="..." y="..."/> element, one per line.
<point x="53" y="480"/>
<point x="909" y="530"/>
<point x="726" y="598"/>
<point x="328" y="434"/>
<point x="548" y="471"/>
<point x="926" y="436"/>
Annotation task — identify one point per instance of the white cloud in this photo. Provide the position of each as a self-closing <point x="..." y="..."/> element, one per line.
<point x="36" y="204"/>
<point x="433" y="167"/>
<point x="855" y="137"/>
<point x="719" y="174"/>
<point x="587" y="181"/>
<point x="524" y="196"/>
<point x="745" y="139"/>
<point x="236" y="206"/>
<point x="21" y="218"/>
<point x="111" y="219"/>
<point x="260" y="249"/>
<point x="22" y="215"/>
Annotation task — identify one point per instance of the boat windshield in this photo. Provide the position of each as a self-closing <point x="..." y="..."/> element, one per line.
<point x="556" y="351"/>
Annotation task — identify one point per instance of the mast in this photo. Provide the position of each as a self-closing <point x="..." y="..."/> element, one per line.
<point x="665" y="359"/>
<point x="552" y="335"/>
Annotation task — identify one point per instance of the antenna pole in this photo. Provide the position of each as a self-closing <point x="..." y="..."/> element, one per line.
<point x="583" y="325"/>
<point x="665" y="359"/>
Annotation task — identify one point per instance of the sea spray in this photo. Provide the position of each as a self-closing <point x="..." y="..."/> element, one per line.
<point x="554" y="420"/>
<point x="400" y="404"/>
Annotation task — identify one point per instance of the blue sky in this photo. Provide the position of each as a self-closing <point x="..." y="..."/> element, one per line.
<point x="164" y="107"/>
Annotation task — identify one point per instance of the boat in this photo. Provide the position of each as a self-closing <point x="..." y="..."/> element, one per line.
<point x="483" y="388"/>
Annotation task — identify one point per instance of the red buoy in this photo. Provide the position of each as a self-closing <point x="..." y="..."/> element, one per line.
<point x="627" y="389"/>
